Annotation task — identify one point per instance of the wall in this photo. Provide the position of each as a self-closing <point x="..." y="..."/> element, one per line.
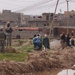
<point x="26" y="34"/>
<point x="61" y="30"/>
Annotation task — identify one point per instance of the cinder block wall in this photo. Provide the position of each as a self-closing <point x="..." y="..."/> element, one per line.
<point x="26" y="34"/>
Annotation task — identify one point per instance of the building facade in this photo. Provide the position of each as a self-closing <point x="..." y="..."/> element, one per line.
<point x="7" y="15"/>
<point x="16" y="19"/>
<point x="44" y="21"/>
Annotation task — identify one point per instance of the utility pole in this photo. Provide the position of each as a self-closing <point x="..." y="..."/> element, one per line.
<point x="67" y="16"/>
<point x="51" y="27"/>
<point x="67" y="5"/>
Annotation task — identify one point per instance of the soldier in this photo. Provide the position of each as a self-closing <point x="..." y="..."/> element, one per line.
<point x="2" y="41"/>
<point x="8" y="32"/>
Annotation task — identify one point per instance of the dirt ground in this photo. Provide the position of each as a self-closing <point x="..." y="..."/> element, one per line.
<point x="40" y="61"/>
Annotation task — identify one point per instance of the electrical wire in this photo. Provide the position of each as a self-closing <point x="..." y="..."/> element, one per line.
<point x="34" y="5"/>
<point x="42" y="9"/>
<point x="43" y="6"/>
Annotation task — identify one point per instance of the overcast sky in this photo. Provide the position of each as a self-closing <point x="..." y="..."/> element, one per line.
<point x="35" y="7"/>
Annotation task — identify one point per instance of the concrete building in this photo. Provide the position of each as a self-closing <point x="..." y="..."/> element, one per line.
<point x="68" y="19"/>
<point x="43" y="21"/>
<point x="66" y="23"/>
<point x="60" y="21"/>
<point x="16" y="19"/>
<point x="25" y="19"/>
<point x="7" y="15"/>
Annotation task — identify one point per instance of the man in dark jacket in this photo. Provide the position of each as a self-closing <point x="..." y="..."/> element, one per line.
<point x="68" y="40"/>
<point x="46" y="43"/>
<point x="63" y="40"/>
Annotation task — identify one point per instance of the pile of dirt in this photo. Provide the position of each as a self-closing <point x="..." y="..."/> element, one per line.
<point x="39" y="61"/>
<point x="55" y="59"/>
<point x="10" y="50"/>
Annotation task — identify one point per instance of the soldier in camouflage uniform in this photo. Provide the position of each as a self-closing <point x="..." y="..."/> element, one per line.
<point x="2" y="41"/>
<point x="8" y="32"/>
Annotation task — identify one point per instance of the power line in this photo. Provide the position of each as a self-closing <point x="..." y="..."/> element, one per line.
<point x="12" y="2"/>
<point x="7" y="3"/>
<point x="48" y="5"/>
<point x="35" y="5"/>
<point x="71" y="0"/>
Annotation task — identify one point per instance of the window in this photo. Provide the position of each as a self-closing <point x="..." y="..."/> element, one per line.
<point x="44" y="24"/>
<point x="47" y="17"/>
<point x="47" y="24"/>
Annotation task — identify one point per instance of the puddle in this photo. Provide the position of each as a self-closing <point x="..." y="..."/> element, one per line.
<point x="57" y="72"/>
<point x="67" y="72"/>
<point x="52" y="72"/>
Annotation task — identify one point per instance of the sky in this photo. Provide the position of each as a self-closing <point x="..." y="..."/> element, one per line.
<point x="36" y="7"/>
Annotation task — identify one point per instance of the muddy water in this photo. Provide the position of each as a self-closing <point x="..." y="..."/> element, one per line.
<point x="53" y="72"/>
<point x="66" y="72"/>
<point x="58" y="72"/>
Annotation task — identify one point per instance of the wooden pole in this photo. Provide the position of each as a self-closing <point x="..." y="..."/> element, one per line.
<point x="51" y="27"/>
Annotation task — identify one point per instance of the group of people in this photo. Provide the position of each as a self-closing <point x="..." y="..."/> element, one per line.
<point x="38" y="42"/>
<point x="5" y="36"/>
<point x="67" y="40"/>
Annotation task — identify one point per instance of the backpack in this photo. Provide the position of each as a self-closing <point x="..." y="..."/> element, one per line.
<point x="38" y="40"/>
<point x="9" y="30"/>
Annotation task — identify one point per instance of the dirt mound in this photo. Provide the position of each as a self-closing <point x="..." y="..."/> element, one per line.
<point x="10" y="50"/>
<point x="39" y="61"/>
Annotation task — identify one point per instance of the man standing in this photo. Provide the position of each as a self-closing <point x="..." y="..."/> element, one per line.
<point x="2" y="40"/>
<point x="8" y="32"/>
<point x="63" y="40"/>
<point x="72" y="34"/>
<point x="46" y="43"/>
